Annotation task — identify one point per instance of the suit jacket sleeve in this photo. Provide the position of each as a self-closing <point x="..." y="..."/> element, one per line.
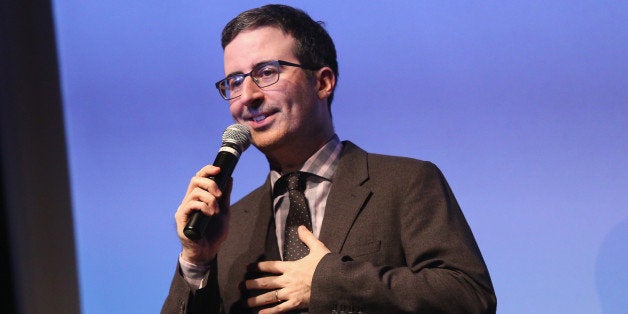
<point x="409" y="249"/>
<point x="182" y="299"/>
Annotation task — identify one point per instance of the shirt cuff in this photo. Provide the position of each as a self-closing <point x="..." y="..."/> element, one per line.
<point x="195" y="275"/>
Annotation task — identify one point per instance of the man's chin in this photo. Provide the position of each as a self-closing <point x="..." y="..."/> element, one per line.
<point x="264" y="142"/>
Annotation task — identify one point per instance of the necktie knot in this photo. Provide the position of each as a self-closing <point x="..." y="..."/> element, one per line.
<point x="290" y="182"/>
<point x="296" y="181"/>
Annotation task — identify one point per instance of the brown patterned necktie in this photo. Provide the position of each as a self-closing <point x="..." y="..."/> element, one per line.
<point x="299" y="214"/>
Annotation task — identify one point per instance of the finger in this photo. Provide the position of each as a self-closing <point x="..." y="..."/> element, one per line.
<point x="308" y="238"/>
<point x="209" y="203"/>
<point x="279" y="308"/>
<point x="199" y="199"/>
<point x="208" y="171"/>
<point x="205" y="207"/>
<point x="283" y="306"/>
<point x="205" y="184"/>
<point x="263" y="283"/>
<point x="187" y="207"/>
<point x="305" y="235"/>
<point x="316" y="247"/>
<point x="201" y="178"/>
<point x="262" y="299"/>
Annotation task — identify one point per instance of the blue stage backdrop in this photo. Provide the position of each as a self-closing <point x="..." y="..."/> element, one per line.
<point x="522" y="104"/>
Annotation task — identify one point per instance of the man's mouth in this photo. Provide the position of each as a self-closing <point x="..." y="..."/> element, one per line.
<point x="259" y="118"/>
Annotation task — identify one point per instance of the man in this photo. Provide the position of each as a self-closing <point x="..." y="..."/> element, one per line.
<point x="384" y="234"/>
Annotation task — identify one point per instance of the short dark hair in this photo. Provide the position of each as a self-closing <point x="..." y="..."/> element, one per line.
<point x="314" y="47"/>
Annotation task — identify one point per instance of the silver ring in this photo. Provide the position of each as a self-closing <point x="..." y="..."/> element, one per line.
<point x="277" y="296"/>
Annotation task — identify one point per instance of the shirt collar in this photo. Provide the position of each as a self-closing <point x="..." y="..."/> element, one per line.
<point x="323" y="163"/>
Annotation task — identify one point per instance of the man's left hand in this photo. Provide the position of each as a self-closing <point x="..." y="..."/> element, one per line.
<point x="292" y="286"/>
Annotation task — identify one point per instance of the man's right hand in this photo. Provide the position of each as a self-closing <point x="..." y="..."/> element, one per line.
<point x="203" y="194"/>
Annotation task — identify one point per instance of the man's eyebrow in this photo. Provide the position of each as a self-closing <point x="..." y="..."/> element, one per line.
<point x="253" y="67"/>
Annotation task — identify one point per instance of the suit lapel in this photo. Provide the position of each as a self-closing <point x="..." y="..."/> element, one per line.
<point x="263" y="225"/>
<point x="346" y="197"/>
<point x="251" y="240"/>
<point x="259" y="229"/>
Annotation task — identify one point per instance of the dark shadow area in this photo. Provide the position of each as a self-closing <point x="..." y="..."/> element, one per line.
<point x="37" y="235"/>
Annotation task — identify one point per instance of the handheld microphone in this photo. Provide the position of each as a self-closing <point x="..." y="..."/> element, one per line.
<point x="235" y="140"/>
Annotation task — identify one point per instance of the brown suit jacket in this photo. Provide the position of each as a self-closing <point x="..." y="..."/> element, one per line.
<point x="398" y="239"/>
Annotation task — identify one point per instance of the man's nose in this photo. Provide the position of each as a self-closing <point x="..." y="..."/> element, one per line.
<point x="250" y="92"/>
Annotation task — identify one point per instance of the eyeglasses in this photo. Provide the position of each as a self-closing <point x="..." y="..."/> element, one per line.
<point x="263" y="74"/>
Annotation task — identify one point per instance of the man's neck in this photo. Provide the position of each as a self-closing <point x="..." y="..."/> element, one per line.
<point x="292" y="157"/>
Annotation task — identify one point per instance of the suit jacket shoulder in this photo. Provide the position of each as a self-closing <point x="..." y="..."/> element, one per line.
<point x="399" y="241"/>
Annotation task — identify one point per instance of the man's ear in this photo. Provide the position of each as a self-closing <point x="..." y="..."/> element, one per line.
<point x="326" y="81"/>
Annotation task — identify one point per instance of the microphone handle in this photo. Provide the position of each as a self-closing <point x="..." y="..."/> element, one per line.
<point x="197" y="222"/>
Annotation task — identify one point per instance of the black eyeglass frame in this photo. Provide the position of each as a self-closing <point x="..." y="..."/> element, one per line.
<point x="223" y="82"/>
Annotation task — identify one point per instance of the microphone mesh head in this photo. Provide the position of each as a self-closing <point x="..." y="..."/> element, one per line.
<point x="237" y="134"/>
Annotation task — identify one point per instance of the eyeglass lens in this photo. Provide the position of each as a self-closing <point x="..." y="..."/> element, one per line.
<point x="263" y="75"/>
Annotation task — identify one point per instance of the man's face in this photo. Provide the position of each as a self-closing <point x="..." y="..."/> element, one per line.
<point x="282" y="115"/>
